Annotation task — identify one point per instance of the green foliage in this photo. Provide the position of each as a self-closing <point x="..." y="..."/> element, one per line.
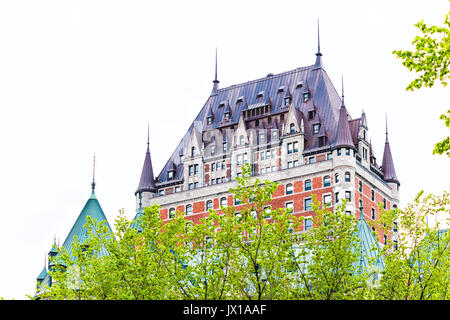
<point x="444" y="145"/>
<point x="430" y="60"/>
<point x="417" y="259"/>
<point x="431" y="57"/>
<point x="248" y="252"/>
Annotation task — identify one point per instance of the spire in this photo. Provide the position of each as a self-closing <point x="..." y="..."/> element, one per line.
<point x="318" y="63"/>
<point x="215" y="81"/>
<point x="93" y="176"/>
<point x="343" y="135"/>
<point x="388" y="164"/>
<point x="147" y="182"/>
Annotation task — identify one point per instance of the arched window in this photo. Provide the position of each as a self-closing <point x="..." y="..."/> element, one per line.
<point x="326" y="181"/>
<point x="292" y="128"/>
<point x="209" y="204"/>
<point x="223" y="202"/>
<point x="171" y="213"/>
<point x="289" y="188"/>
<point x="336" y="178"/>
<point x="188" y="209"/>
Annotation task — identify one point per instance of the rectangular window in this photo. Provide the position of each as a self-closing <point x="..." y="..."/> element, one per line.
<point x="290" y="165"/>
<point x="308" y="204"/>
<point x="347" y="151"/>
<point x="268" y="154"/>
<point x="308" y="185"/>
<point x="308" y="224"/>
<point x="338" y="152"/>
<point x="213" y="167"/>
<point x="348" y="195"/>
<point x="295" y="163"/>
<point x="289" y="148"/>
<point x="312" y="160"/>
<point x="372" y="195"/>
<point x="336" y="197"/>
<point x="373" y="213"/>
<point x="191" y="170"/>
<point x="239" y="159"/>
<point x="267" y="212"/>
<point x="177" y="189"/>
<point x="289" y="206"/>
<point x="327" y="199"/>
<point x="263" y="155"/>
<point x="316" y="128"/>
<point x="191" y="186"/>
<point x="360" y="186"/>
<point x="295" y="146"/>
<point x="195" y="185"/>
<point x="326" y="181"/>
<point x="195" y="168"/>
<point x="329" y="156"/>
<point x="272" y="153"/>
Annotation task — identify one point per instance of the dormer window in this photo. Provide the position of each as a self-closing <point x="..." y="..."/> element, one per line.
<point x="311" y="114"/>
<point x="226" y="116"/>
<point x="305" y="96"/>
<point x="299" y="84"/>
<point x="261" y="137"/>
<point x="209" y="120"/>
<point x="192" y="151"/>
<point x="287" y="101"/>
<point x="281" y="89"/>
<point x="170" y="175"/>
<point x="322" y="141"/>
<point x="292" y="128"/>
<point x="260" y="94"/>
<point x="316" y="128"/>
<point x="213" y="149"/>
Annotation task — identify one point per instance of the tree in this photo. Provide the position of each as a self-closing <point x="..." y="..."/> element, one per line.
<point x="431" y="60"/>
<point x="242" y="251"/>
<point x="417" y="261"/>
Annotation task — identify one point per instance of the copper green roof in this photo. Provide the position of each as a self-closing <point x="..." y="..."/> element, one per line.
<point x="93" y="209"/>
<point x="368" y="246"/>
<point x="42" y="275"/>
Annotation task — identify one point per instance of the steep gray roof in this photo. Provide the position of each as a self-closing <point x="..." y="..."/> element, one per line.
<point x="147" y="181"/>
<point x="388" y="164"/>
<point x="324" y="99"/>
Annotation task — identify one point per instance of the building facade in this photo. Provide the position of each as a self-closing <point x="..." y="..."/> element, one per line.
<point x="292" y="128"/>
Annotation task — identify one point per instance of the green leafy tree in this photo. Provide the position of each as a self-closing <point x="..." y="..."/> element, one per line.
<point x="417" y="257"/>
<point x="242" y="251"/>
<point x="430" y="60"/>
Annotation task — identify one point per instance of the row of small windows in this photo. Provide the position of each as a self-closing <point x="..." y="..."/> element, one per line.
<point x="308" y="184"/>
<point x="218" y="166"/>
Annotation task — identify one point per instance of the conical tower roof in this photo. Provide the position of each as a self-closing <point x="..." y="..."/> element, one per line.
<point x="343" y="134"/>
<point x="147" y="182"/>
<point x="368" y="246"/>
<point x="92" y="209"/>
<point x="388" y="164"/>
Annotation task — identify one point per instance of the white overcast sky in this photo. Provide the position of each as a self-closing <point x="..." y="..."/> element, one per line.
<point x="78" y="77"/>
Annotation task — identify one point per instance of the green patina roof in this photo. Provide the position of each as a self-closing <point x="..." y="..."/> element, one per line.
<point x="93" y="209"/>
<point x="368" y="246"/>
<point x="42" y="275"/>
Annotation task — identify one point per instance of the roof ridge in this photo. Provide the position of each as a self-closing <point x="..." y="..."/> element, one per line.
<point x="262" y="78"/>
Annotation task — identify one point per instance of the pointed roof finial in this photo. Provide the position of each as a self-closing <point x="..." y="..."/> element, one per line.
<point x="318" y="63"/>
<point x="385" y="115"/>
<point x="93" y="175"/>
<point x="318" y="39"/>
<point x="215" y="81"/>
<point x="343" y="104"/>
<point x="148" y="137"/>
